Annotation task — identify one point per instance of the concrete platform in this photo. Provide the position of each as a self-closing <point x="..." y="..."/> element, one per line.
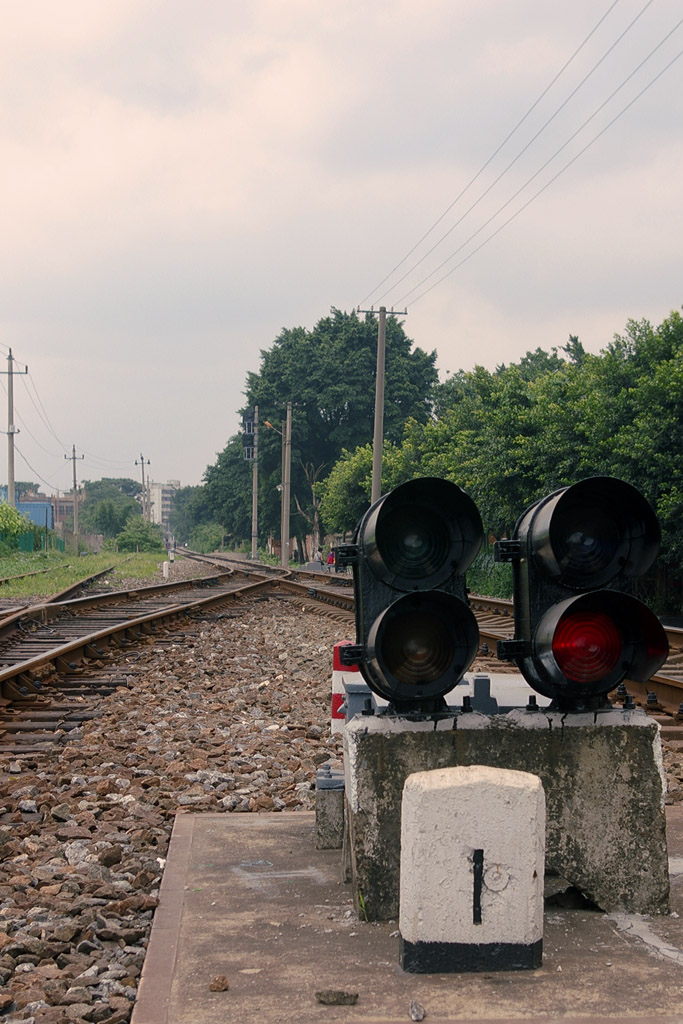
<point x="249" y="897"/>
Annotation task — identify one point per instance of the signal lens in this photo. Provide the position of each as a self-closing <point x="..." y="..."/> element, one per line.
<point x="418" y="650"/>
<point x="420" y="646"/>
<point x="587" y="542"/>
<point x="420" y="534"/>
<point x="587" y="534"/>
<point x="587" y="646"/>
<point x="416" y="542"/>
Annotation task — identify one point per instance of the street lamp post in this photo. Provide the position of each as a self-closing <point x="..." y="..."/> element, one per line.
<point x="286" y="484"/>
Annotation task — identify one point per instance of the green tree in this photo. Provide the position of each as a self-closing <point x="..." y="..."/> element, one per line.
<point x="227" y="489"/>
<point x="108" y="504"/>
<point x="12" y="523"/>
<point x="329" y="376"/>
<point x="345" y="493"/>
<point x="139" y="535"/>
<point x="206" y="537"/>
<point x="190" y="508"/>
<point x="22" y="488"/>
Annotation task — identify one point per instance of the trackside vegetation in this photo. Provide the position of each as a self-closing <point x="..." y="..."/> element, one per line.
<point x="66" y="569"/>
<point x="507" y="436"/>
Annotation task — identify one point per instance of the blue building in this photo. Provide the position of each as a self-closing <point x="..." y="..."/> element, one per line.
<point x="41" y="513"/>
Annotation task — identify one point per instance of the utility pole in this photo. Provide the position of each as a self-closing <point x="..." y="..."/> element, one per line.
<point x="145" y="499"/>
<point x="283" y="456"/>
<point x="378" y="438"/>
<point x="254" y="491"/>
<point x="11" y="429"/>
<point x="286" y="484"/>
<point x="73" y="457"/>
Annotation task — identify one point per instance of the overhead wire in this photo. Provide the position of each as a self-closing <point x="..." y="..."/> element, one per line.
<point x="523" y="150"/>
<point x="548" y="161"/>
<point x="118" y="463"/>
<point x="34" y="471"/>
<point x="44" y="416"/>
<point x="45" y="419"/>
<point x="544" y="187"/>
<point x="495" y="153"/>
<point x="34" y="438"/>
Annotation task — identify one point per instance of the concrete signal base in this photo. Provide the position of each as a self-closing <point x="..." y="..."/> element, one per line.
<point x="603" y="782"/>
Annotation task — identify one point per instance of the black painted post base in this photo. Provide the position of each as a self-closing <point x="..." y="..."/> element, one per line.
<point x="465" y="957"/>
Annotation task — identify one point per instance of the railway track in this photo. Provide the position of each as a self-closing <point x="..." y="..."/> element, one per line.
<point x="57" y="653"/>
<point x="494" y="618"/>
<point x="48" y="651"/>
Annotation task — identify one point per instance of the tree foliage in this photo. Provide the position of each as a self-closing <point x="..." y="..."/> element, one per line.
<point x="12" y="522"/>
<point x="511" y="435"/>
<point x="207" y="537"/>
<point x="227" y="489"/>
<point x="108" y="504"/>
<point x="24" y="488"/>
<point x="139" y="535"/>
<point x="190" y="508"/>
<point x="329" y="376"/>
<point x="507" y="436"/>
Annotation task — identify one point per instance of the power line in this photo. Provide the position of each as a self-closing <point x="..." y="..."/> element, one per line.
<point x="34" y="438"/>
<point x="524" y="149"/>
<point x="45" y="418"/>
<point x="548" y="161"/>
<point x="34" y="471"/>
<point x="117" y="463"/>
<point x="494" y="154"/>
<point x="548" y="183"/>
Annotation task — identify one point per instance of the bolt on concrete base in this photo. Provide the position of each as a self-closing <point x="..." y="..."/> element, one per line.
<point x="329" y="809"/>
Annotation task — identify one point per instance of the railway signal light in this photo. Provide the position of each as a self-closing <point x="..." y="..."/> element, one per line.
<point x="578" y="635"/>
<point x="415" y="632"/>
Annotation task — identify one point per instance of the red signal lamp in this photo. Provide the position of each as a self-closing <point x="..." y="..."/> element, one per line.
<point x="578" y="633"/>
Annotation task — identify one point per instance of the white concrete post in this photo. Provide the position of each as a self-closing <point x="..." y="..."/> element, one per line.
<point x="472" y="866"/>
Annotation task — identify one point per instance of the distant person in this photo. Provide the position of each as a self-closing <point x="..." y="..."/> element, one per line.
<point x="318" y="557"/>
<point x="330" y="560"/>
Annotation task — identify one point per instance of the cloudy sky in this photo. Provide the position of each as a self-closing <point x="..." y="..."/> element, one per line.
<point x="183" y="180"/>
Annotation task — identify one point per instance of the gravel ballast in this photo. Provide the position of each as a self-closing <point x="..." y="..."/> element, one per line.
<point x="231" y="716"/>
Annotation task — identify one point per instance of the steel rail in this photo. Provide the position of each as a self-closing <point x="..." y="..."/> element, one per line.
<point x="52" y="607"/>
<point x="19" y="674"/>
<point x="495" y="618"/>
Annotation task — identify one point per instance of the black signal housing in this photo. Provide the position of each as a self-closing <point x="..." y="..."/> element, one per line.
<point x="415" y="632"/>
<point x="578" y="633"/>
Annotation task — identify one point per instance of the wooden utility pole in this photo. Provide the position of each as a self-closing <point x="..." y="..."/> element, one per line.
<point x="73" y="458"/>
<point x="286" y="486"/>
<point x="378" y="438"/>
<point x="11" y="429"/>
<point x="254" y="491"/>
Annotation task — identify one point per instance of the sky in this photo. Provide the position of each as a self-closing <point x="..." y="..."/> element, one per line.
<point x="184" y="180"/>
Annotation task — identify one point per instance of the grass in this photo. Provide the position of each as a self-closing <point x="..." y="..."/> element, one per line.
<point x="65" y="570"/>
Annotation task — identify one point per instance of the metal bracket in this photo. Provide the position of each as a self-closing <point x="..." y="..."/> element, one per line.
<point x="350" y="654"/>
<point x="506" y="550"/>
<point x="508" y="650"/>
<point x="346" y="555"/>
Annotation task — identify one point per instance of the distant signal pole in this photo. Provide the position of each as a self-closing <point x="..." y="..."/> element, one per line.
<point x="378" y="438"/>
<point x="250" y="446"/>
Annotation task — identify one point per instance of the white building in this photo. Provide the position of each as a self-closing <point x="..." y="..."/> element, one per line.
<point x="160" y="500"/>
